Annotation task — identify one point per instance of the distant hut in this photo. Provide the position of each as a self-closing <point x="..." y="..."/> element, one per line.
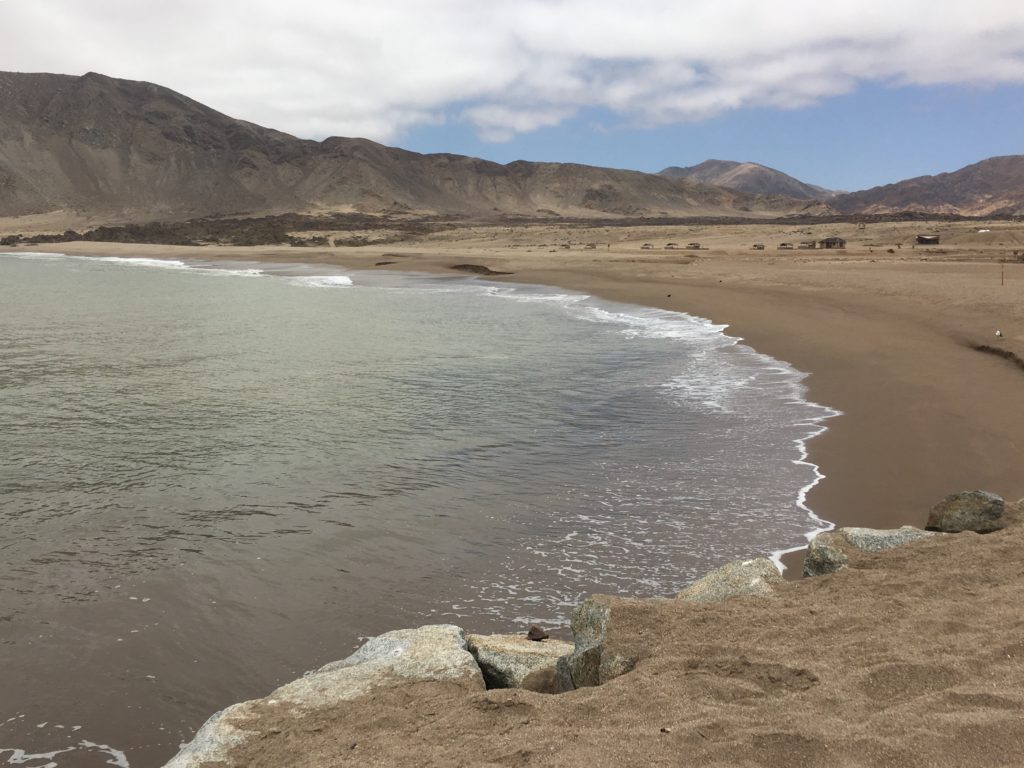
<point x="808" y="245"/>
<point x="671" y="246"/>
<point x="832" y="242"/>
<point x="647" y="247"/>
<point x="758" y="246"/>
<point x="785" y="246"/>
<point x="693" y="246"/>
<point x="927" y="239"/>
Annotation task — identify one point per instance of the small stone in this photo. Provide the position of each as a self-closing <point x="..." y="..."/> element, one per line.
<point x="537" y="633"/>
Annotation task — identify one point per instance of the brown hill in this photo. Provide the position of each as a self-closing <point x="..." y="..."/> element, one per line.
<point x="993" y="187"/>
<point x="132" y="150"/>
<point x="752" y="178"/>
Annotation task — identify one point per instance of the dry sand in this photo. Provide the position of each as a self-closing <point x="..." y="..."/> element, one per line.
<point x="913" y="659"/>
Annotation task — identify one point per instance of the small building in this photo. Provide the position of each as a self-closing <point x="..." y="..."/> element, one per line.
<point x="693" y="246"/>
<point x="758" y="246"/>
<point x="785" y="246"/>
<point x="808" y="245"/>
<point x="647" y="247"/>
<point x="832" y="242"/>
<point x="671" y="246"/>
<point x="927" y="239"/>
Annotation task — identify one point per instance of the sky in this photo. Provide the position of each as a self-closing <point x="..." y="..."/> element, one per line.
<point x="847" y="94"/>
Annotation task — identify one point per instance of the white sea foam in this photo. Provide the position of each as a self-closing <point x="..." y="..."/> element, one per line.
<point x="321" y="281"/>
<point x="130" y="261"/>
<point x="32" y="255"/>
<point x="139" y="261"/>
<point x="711" y="379"/>
<point x="22" y="757"/>
<point x="231" y="272"/>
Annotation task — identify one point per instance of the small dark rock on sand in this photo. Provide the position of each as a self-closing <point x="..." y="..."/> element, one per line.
<point x="478" y="269"/>
<point x="537" y="633"/>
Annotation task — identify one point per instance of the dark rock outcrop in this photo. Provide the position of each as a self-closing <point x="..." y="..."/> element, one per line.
<point x="977" y="511"/>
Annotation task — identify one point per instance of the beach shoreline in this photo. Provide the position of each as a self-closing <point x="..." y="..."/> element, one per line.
<point x="890" y="344"/>
<point x="886" y="341"/>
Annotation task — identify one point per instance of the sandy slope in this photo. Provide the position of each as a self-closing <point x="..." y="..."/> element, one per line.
<point x="913" y="659"/>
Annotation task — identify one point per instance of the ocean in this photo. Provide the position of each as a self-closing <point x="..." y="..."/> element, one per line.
<point x="214" y="477"/>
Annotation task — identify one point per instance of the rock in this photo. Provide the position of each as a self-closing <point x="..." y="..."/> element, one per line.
<point x="742" y="578"/>
<point x="431" y="653"/>
<point x="507" y="660"/>
<point x="537" y="633"/>
<point x="549" y="680"/>
<point x="592" y="662"/>
<point x="826" y="554"/>
<point x="977" y="511"/>
<point x="830" y="552"/>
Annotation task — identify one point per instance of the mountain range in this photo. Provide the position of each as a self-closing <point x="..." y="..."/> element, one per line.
<point x="131" y="150"/>
<point x="753" y="178"/>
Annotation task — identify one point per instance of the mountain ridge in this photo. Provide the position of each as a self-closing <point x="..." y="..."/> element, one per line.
<point x="132" y="151"/>
<point x="99" y="143"/>
<point x="990" y="187"/>
<point x="749" y="177"/>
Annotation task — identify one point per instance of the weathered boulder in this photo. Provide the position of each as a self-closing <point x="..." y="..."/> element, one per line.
<point x="431" y="653"/>
<point x="507" y="660"/>
<point x="977" y="511"/>
<point x="830" y="552"/>
<point x="592" y="662"/>
<point x="741" y="578"/>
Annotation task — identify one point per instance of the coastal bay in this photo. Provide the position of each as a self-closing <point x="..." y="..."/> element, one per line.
<point x="924" y="413"/>
<point x="887" y="338"/>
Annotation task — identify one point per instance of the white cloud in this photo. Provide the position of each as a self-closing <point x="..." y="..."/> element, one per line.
<point x="364" y="68"/>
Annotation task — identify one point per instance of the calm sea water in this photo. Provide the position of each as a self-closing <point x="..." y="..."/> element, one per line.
<point x="214" y="479"/>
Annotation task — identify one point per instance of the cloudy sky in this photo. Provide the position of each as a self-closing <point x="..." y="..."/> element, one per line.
<point x="844" y="93"/>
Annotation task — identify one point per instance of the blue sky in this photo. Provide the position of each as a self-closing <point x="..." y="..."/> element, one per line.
<point x="876" y="135"/>
<point x="846" y="94"/>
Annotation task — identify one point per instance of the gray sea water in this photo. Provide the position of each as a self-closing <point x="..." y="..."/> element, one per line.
<point x="216" y="477"/>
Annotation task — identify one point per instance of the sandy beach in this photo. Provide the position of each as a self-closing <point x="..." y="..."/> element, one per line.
<point x="911" y="657"/>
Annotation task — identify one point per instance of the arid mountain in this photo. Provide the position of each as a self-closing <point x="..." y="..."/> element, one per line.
<point x="751" y="178"/>
<point x="136" y="151"/>
<point x="991" y="187"/>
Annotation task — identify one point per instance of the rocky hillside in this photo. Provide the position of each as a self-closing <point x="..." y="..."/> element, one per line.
<point x="751" y="178"/>
<point x="134" y="150"/>
<point x="993" y="187"/>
